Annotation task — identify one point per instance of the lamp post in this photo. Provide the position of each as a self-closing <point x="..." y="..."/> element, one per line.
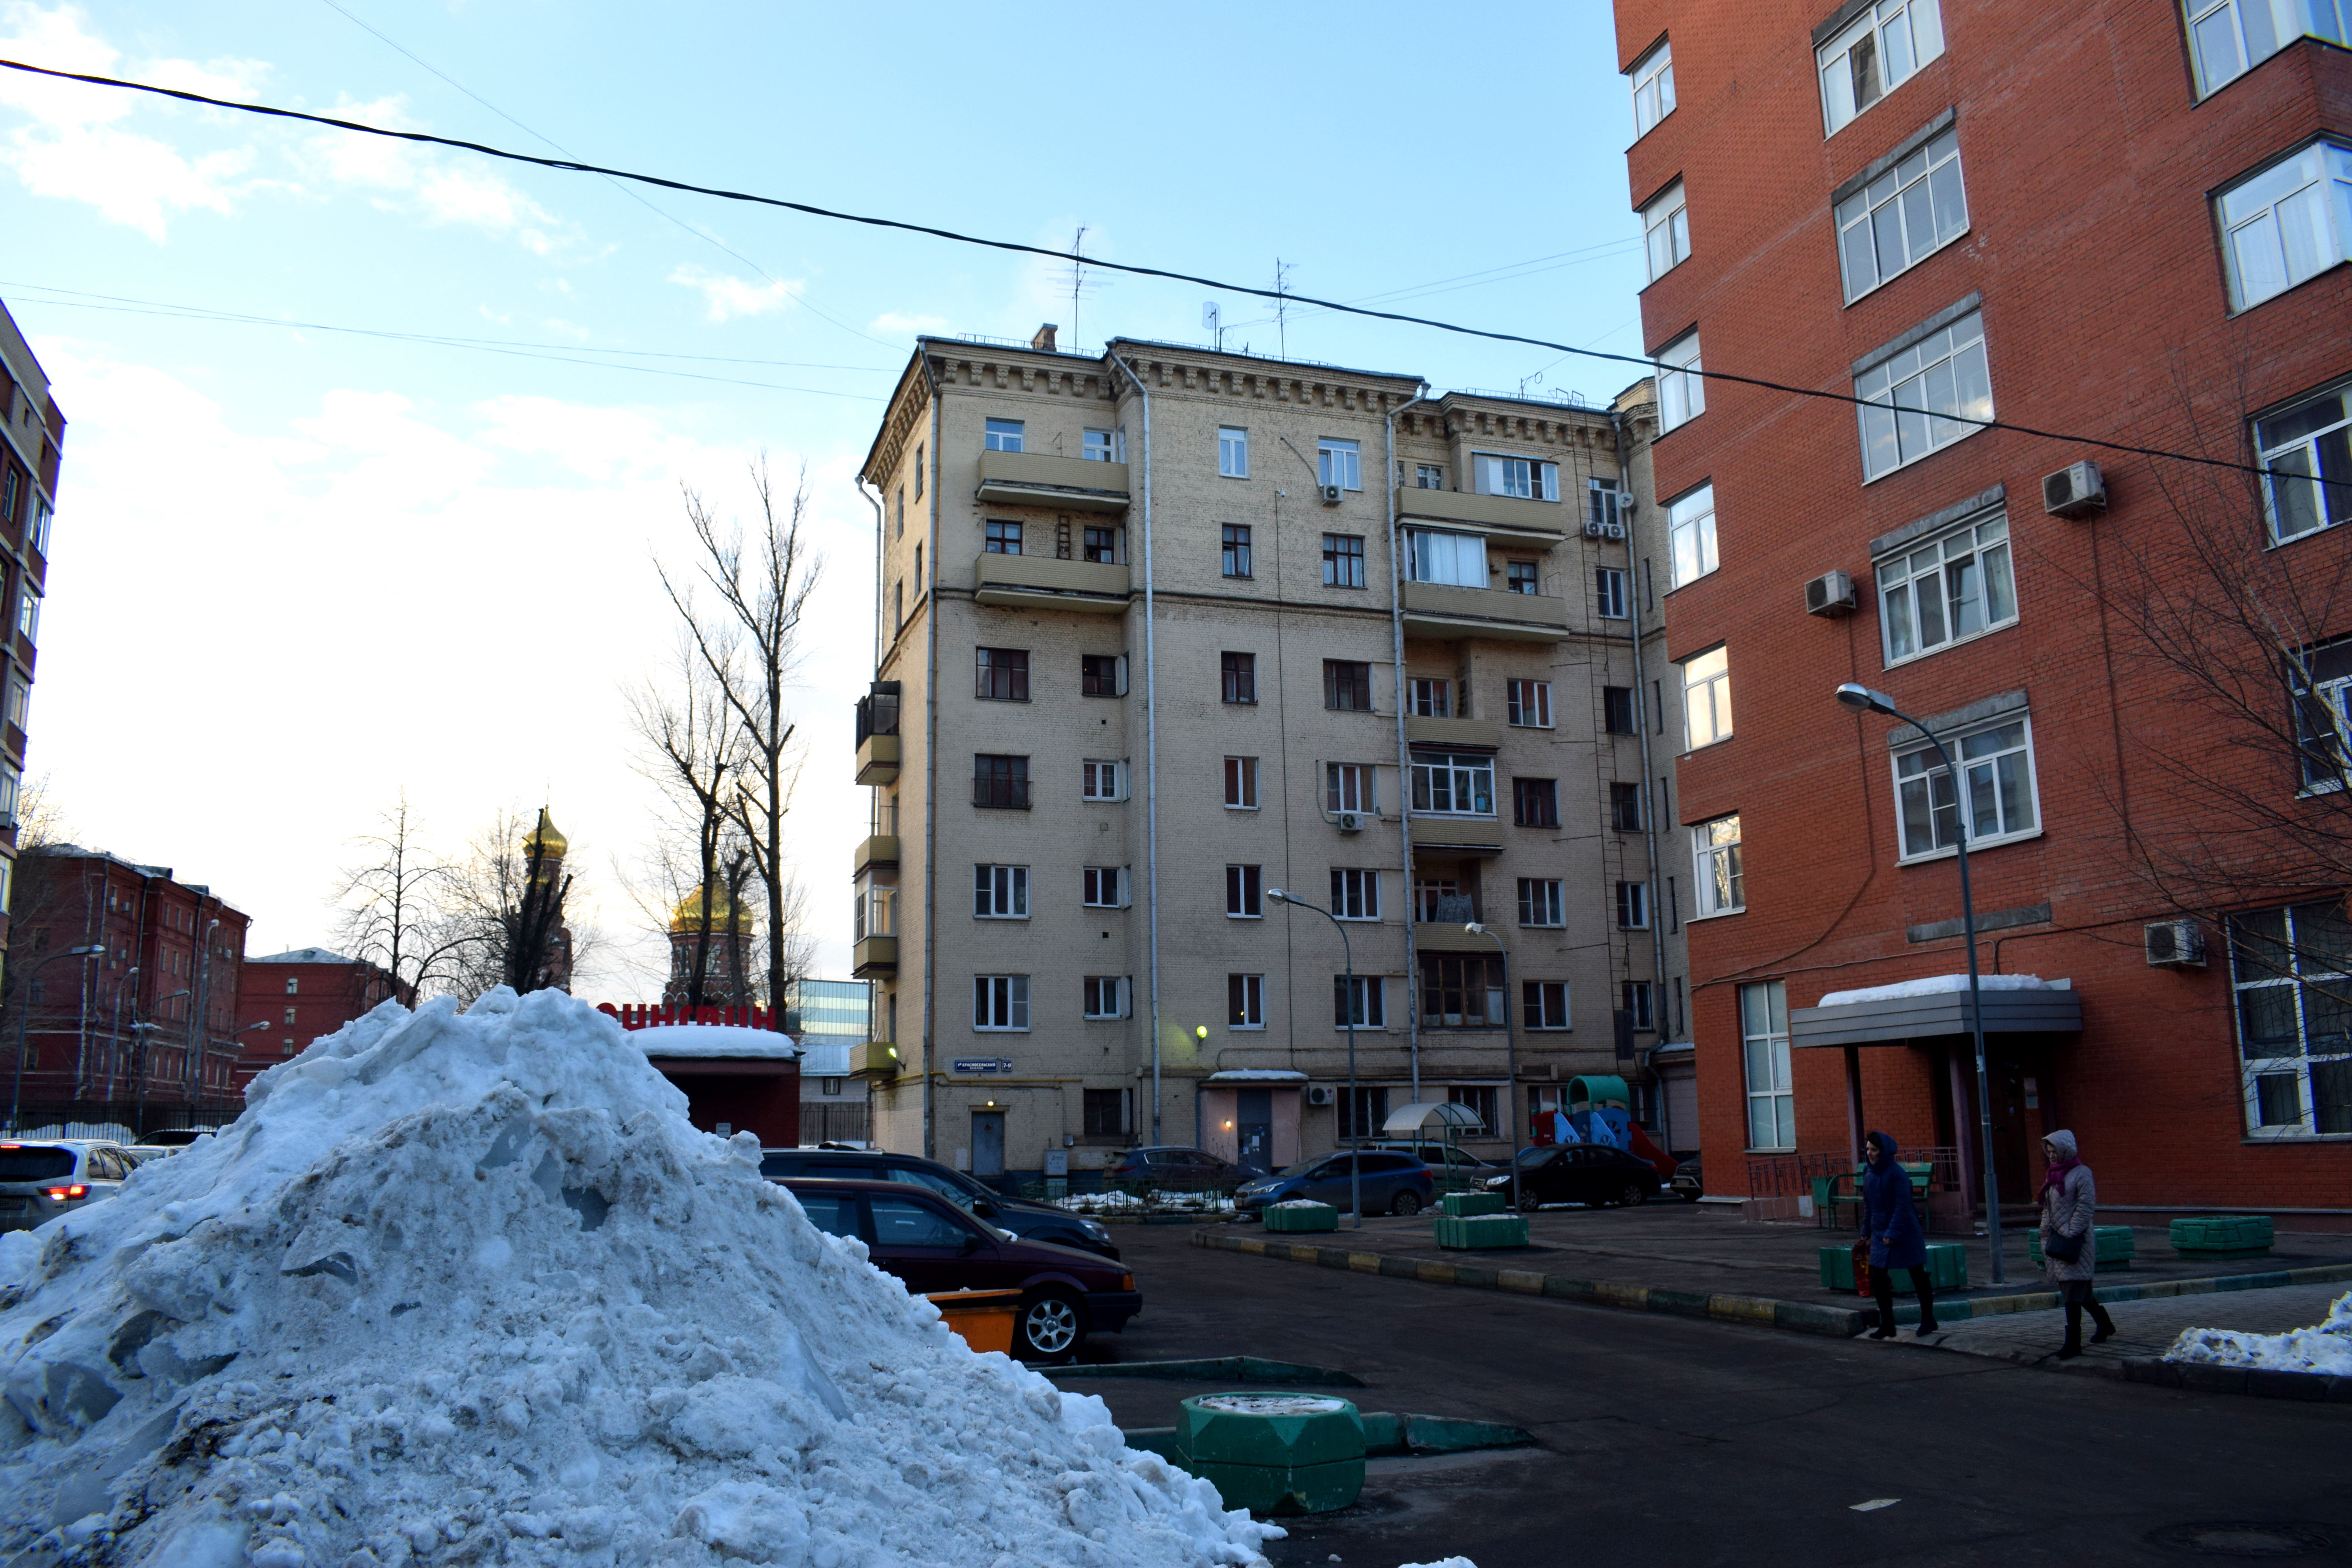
<point x="25" y="1016"/>
<point x="1354" y="1109"/>
<point x="1863" y="700"/>
<point x="1510" y="1058"/>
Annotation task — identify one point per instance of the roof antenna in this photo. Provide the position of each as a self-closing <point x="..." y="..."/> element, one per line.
<point x="1281" y="307"/>
<point x="1212" y="319"/>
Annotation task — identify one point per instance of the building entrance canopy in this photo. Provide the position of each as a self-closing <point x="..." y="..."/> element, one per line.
<point x="1934" y="1007"/>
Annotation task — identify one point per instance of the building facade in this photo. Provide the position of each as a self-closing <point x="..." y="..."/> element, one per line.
<point x="28" y="489"/>
<point x="1974" y="224"/>
<point x="1164" y="632"/>
<point x="711" y="933"/>
<point x="286" y="1000"/>
<point x="832" y="1020"/>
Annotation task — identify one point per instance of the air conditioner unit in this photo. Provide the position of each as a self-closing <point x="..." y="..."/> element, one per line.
<point x="1330" y="494"/>
<point x="2076" y="491"/>
<point x="1612" y="530"/>
<point x="1349" y="821"/>
<point x="1318" y="1094"/>
<point x="1592" y="529"/>
<point x="1831" y="594"/>
<point x="2174" y="944"/>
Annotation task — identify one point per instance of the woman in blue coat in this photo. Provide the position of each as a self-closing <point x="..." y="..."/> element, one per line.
<point x="1895" y="1240"/>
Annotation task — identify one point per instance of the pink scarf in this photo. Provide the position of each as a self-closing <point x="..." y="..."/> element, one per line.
<point x="2056" y="1178"/>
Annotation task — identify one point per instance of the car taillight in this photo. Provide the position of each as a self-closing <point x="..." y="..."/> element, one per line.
<point x="59" y="1195"/>
<point x="1127" y="1282"/>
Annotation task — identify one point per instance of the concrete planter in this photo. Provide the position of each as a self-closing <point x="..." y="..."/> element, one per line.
<point x="1275" y="1453"/>
<point x="1476" y="1233"/>
<point x="1468" y="1203"/>
<point x="1297" y="1221"/>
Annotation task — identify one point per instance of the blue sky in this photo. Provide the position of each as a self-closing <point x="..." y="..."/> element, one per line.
<point x="297" y="571"/>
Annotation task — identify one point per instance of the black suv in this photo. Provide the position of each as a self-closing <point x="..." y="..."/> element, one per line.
<point x="1029" y="1221"/>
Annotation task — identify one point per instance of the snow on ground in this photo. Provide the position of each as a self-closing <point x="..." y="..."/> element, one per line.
<point x="1128" y="1203"/>
<point x="714" y="1040"/>
<point x="2325" y="1347"/>
<point x="467" y="1287"/>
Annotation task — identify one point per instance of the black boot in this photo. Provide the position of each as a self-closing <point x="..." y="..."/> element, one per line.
<point x="1926" y="1286"/>
<point x="2106" y="1329"/>
<point x="2073" y="1346"/>
<point x="1883" y="1288"/>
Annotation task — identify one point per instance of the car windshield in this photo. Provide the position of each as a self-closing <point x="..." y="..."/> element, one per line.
<point x="1308" y="1167"/>
<point x="946" y="1188"/>
<point x="1530" y="1158"/>
<point x="32" y="1163"/>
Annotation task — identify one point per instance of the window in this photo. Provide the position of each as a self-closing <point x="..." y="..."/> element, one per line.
<point x="1105" y="997"/>
<point x="20" y="698"/>
<point x="1715" y="846"/>
<point x="1608" y="591"/>
<point x="1343" y="559"/>
<point x="899" y="513"/>
<point x="1654" y="88"/>
<point x="39" y="532"/>
<point x="1004" y="435"/>
<point x="1361" y="1117"/>
<point x="1242" y="893"/>
<point x="999" y="1001"/>
<point x="1347" y="685"/>
<point x="1639" y="1003"/>
<point x="11" y="787"/>
<point x="2289" y="223"/>
<point x="1104" y="446"/>
<point x="1429" y="475"/>
<point x="1617" y="710"/>
<point x="999" y="892"/>
<point x="1001" y="782"/>
<point x="1946" y="590"/>
<point x="2291" y="976"/>
<point x="1431" y="698"/>
<point x="1355" y="895"/>
<point x="1102" y="675"/>
<point x="1363" y="1003"/>
<point x="2312" y="444"/>
<point x="1106" y="1112"/>
<point x="1237" y="549"/>
<point x="1461" y="990"/>
<point x="1335" y="463"/>
<point x="874" y="911"/>
<point x="1690" y="533"/>
<point x="1245" y="1001"/>
<point x="1101" y="546"/>
<point x="2319" y="684"/>
<point x="1525" y="478"/>
<point x="1241" y="782"/>
<point x="1682" y="391"/>
<point x="1451" y="785"/>
<point x="1665" y="231"/>
<point x="1000" y="539"/>
<point x="1764" y="1050"/>
<point x="1521" y="577"/>
<point x="1625" y="807"/>
<point x="1902" y="217"/>
<point x="12" y="482"/>
<point x="1534" y="802"/>
<point x="1707" y="699"/>
<point x="1540" y="903"/>
<point x="1527" y="704"/>
<point x="919" y="471"/>
<point x="1633" y="906"/>
<point x="1439" y="902"/>
<point x="919" y="568"/>
<point x="1001" y="674"/>
<point x="1929" y="395"/>
<point x="1240" y="672"/>
<point x="1459" y="558"/>
<point x="1544" y="1004"/>
<point x="1998" y="763"/>
<point x="1875" y="55"/>
<point x="293" y="985"/>
<point x="1106" y="887"/>
<point x="899" y="604"/>
<point x="1101" y="780"/>
<point x="2229" y="38"/>
<point x="1348" y="786"/>
<point x="1232" y="451"/>
<point x="1480" y="1098"/>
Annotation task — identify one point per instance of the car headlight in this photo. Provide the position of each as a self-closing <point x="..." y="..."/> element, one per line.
<point x="1498" y="1181"/>
<point x="1094" y="1228"/>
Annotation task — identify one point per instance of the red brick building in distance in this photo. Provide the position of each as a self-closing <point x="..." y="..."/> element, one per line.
<point x="287" y="1000"/>
<point x="2118" y="222"/>
<point x="28" y="488"/>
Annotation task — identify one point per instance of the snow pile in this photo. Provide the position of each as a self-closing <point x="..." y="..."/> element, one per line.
<point x="467" y="1287"/>
<point x="2325" y="1347"/>
<point x="1939" y="985"/>
<point x="715" y="1040"/>
<point x="1128" y="1203"/>
<point x="1302" y="1203"/>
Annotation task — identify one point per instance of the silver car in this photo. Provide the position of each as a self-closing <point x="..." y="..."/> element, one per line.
<point x="41" y="1180"/>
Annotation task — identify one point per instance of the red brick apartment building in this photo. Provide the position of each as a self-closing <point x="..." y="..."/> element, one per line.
<point x="34" y="430"/>
<point x="2125" y="222"/>
<point x="286" y="1000"/>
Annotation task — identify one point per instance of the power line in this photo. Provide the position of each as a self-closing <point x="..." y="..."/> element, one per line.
<point x="1281" y="295"/>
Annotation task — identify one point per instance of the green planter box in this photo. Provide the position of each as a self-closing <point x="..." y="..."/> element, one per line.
<point x="1275" y="1453"/>
<point x="1478" y="1232"/>
<point x="2221" y="1235"/>
<point x="1279" y="1489"/>
<point x="2113" y="1248"/>
<point x="1292" y="1221"/>
<point x="1947" y="1268"/>
<point x="1468" y="1203"/>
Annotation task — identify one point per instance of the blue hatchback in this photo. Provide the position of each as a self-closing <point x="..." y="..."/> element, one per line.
<point x="1393" y="1184"/>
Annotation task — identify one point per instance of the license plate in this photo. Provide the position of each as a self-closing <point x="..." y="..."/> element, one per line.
<point x="11" y="1205"/>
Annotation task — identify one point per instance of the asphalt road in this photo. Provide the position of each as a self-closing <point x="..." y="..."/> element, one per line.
<point x="1669" y="1441"/>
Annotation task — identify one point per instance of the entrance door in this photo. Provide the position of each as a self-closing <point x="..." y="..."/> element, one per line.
<point x="2013" y="1141"/>
<point x="988" y="1144"/>
<point x="1253" y="1130"/>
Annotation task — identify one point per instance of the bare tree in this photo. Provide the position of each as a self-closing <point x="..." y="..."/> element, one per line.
<point x="40" y="821"/>
<point x="396" y="909"/>
<point x="692" y="746"/>
<point x="506" y="909"/>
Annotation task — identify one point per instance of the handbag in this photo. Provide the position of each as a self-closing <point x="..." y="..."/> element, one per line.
<point x="2064" y="1247"/>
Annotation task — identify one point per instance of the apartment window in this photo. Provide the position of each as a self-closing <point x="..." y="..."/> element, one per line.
<point x="1245" y="1001"/>
<point x="2319" y="685"/>
<point x="1364" y="1115"/>
<point x="899" y="513"/>
<point x="1525" y="478"/>
<point x="1101" y="546"/>
<point x="1102" y="675"/>
<point x="1544" y="1004"/>
<point x="1931" y="394"/>
<point x="1617" y="710"/>
<point x="1946" y="590"/>
<point x="1665" y="231"/>
<point x="1241" y="782"/>
<point x="1461" y="990"/>
<point x="1243" y="897"/>
<point x="1240" y="672"/>
<point x="1104" y="446"/>
<point x="1429" y="475"/>
<point x="1237" y="549"/>
<point x="1534" y="802"/>
<point x="39" y="532"/>
<point x="1458" y="559"/>
<point x="1001" y="674"/>
<point x="1540" y="903"/>
<point x="1690" y="534"/>
<point x="293" y="985"/>
<point x="2309" y="447"/>
<point x="919" y="471"/>
<point x="28" y="613"/>
<point x="12" y="482"/>
<point x="20" y="698"/>
<point x="919" y="568"/>
<point x="1106" y="887"/>
<point x="2291" y="977"/>
<point x="1355" y="894"/>
<point x="1347" y="685"/>
<point x="1102" y="780"/>
<point x="1625" y="807"/>
<point x="1000" y="539"/>
<point x="999" y="1001"/>
<point x="1527" y="704"/>
<point x="2229" y="38"/>
<point x="1522" y="577"/>
<point x="1336" y="463"/>
<point x="1715" y="847"/>
<point x="1448" y="785"/>
<point x="1876" y="54"/>
<point x="898" y="605"/>
<point x="1361" y="1001"/>
<point x="11" y="787"/>
<point x="874" y="904"/>
<point x="999" y="892"/>
<point x="1633" y="906"/>
<point x="1106" y="1112"/>
<point x="1348" y="786"/>
<point x="1431" y="698"/>
<point x="1609" y="591"/>
<point x="2289" y="223"/>
<point x="1000" y="782"/>
<point x="1682" y="391"/>
<point x="1106" y="996"/>
<point x="1639" y="997"/>
<point x="1998" y="763"/>
<point x="1764" y="1050"/>
<point x="1654" y="88"/>
<point x="1343" y="559"/>
<point x="1232" y="451"/>
<point x="1707" y="699"/>
<point x="1902" y="217"/>
<point x="1004" y="435"/>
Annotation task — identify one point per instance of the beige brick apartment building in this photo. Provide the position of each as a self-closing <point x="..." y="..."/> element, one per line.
<point x="1163" y="630"/>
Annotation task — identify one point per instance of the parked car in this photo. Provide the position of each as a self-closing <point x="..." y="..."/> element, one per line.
<point x="176" y="1137"/>
<point x="1030" y="1221"/>
<point x="1580" y="1173"/>
<point x="1686" y="1183"/>
<point x="1449" y="1167"/>
<point x="140" y="1153"/>
<point x="1393" y="1182"/>
<point x="40" y="1180"/>
<point x="932" y="1243"/>
<point x="1175" y="1168"/>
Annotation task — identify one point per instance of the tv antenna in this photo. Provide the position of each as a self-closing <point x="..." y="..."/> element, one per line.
<point x="1079" y="281"/>
<point x="1214" y="320"/>
<point x="1281" y="307"/>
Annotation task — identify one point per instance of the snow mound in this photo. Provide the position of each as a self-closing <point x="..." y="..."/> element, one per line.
<point x="468" y="1288"/>
<point x="2325" y="1347"/>
<point x="1939" y="985"/>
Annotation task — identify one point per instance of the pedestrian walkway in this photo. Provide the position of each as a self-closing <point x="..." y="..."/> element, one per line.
<point x="2143" y="1329"/>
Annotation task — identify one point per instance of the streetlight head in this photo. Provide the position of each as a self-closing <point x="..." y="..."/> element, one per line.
<point x="1863" y="700"/>
<point x="1200" y="1031"/>
<point x="1277" y="894"/>
<point x="1475" y="929"/>
<point x="85" y="951"/>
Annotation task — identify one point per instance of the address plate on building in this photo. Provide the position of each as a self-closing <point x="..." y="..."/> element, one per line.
<point x="982" y="1064"/>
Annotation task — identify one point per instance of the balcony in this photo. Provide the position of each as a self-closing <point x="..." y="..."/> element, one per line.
<point x="1437" y="610"/>
<point x="1067" y="484"/>
<point x="876" y="849"/>
<point x="874" y="956"/>
<point x="877" y="758"/>
<point x="1480" y="732"/>
<point x="877" y="733"/>
<point x="1045" y="583"/>
<point x="1457" y="835"/>
<point x="875" y="1059"/>
<point x="1541" y="524"/>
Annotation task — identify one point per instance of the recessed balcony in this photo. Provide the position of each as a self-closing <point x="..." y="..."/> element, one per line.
<point x="874" y="956"/>
<point x="1047" y="583"/>
<point x="1068" y="484"/>
<point x="1536" y="522"/>
<point x="1438" y="610"/>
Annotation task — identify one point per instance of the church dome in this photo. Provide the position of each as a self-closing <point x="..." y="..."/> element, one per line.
<point x="544" y="838"/>
<point x="687" y="919"/>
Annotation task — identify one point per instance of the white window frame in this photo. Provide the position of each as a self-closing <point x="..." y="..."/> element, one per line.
<point x="2308" y="456"/>
<point x="1927" y="189"/>
<point x="1641" y="1000"/>
<point x="1633" y="906"/>
<point x="1105" y="888"/>
<point x="1940" y="566"/>
<point x="1429" y="475"/>
<point x="2212" y="23"/>
<point x="20" y="699"/>
<point x="1765" y="1068"/>
<point x="1654" y="88"/>
<point x="1682" y="390"/>
<point x="1982" y="773"/>
<point x="2291" y="220"/>
<point x="42" y="513"/>
<point x="1925" y="397"/>
<point x="1253" y="1002"/>
<point x="1240" y="783"/>
<point x="1706" y="699"/>
<point x="1232" y="451"/>
<point x="1451" y="560"/>
<point x="1103" y="445"/>
<point x="1690" y="537"/>
<point x="1352" y="786"/>
<point x="999" y="1003"/>
<point x="1343" y="458"/>
<point x="1522" y="478"/>
<point x="1719" y="885"/>
<point x="12" y="784"/>
<point x="999" y="892"/>
<point x="1461" y="775"/>
<point x="1903" y="35"/>
<point x="1355" y="894"/>
<point x="1105" y="996"/>
<point x="28" y="613"/>
<point x="1539" y="1017"/>
<point x="1542" y="902"/>
<point x="1613" y="592"/>
<point x="1665" y="231"/>
<point x="1368" y="1002"/>
<point x="1432" y="697"/>
<point x="1004" y="435"/>
<point x="2299" y="966"/>
<point x="1102" y="779"/>
<point x="1244" y="891"/>
<point x="1527" y="704"/>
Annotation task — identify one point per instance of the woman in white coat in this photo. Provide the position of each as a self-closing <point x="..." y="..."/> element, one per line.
<point x="2070" y="1205"/>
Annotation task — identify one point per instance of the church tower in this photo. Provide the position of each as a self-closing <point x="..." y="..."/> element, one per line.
<point x="724" y="943"/>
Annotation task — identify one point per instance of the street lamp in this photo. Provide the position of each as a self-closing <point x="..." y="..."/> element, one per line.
<point x="25" y="1016"/>
<point x="1355" y="1106"/>
<point x="1510" y="1058"/>
<point x="1863" y="700"/>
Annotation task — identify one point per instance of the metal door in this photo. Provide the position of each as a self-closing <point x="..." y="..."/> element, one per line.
<point x="1253" y="1130"/>
<point x="988" y="1144"/>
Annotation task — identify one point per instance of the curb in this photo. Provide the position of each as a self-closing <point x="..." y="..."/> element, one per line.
<point x="1961" y="1310"/>
<point x="2259" y="1382"/>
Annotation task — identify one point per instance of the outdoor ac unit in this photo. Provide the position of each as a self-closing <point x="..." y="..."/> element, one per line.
<point x="1330" y="494"/>
<point x="1831" y="594"/>
<point x="2174" y="944"/>
<point x="2076" y="491"/>
<point x="1592" y="529"/>
<point x="1318" y="1094"/>
<point x="1349" y="821"/>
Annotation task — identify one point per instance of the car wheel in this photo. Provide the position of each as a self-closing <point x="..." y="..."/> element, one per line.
<point x="1528" y="1201"/>
<point x="1406" y="1205"/>
<point x="1050" y="1327"/>
<point x="1632" y="1196"/>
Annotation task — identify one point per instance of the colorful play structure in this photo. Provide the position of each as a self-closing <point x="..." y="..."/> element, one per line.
<point x="1598" y="1110"/>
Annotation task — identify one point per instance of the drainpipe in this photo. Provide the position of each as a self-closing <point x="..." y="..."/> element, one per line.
<point x="1643" y="720"/>
<point x="1404" y="751"/>
<point x="1150" y="752"/>
<point x="875" y="501"/>
<point x="931" y="767"/>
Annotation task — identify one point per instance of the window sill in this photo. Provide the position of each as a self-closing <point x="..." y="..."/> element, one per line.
<point x="1230" y="806"/>
<point x="1548" y="1028"/>
<point x="983" y="1029"/>
<point x="1542" y="925"/>
<point x="1231" y="915"/>
<point x="1718" y="740"/>
<point x="1000" y="917"/>
<point x="1245" y="1028"/>
<point x="1869" y="480"/>
<point x="1914" y="266"/>
<point x="1458" y="816"/>
<point x="1978" y="847"/>
<point x="2258" y="1138"/>
<point x="2236" y="310"/>
<point x="1718" y="915"/>
<point x="1946" y="647"/>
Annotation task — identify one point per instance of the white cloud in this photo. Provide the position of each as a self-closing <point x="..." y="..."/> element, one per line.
<point x="728" y="295"/>
<point x="897" y="324"/>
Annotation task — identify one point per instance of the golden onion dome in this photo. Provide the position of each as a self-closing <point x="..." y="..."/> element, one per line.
<point x="544" y="839"/>
<point x="687" y="919"/>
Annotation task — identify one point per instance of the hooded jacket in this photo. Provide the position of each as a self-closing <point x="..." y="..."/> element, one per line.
<point x="1888" y="1219"/>
<point x="2070" y="1208"/>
